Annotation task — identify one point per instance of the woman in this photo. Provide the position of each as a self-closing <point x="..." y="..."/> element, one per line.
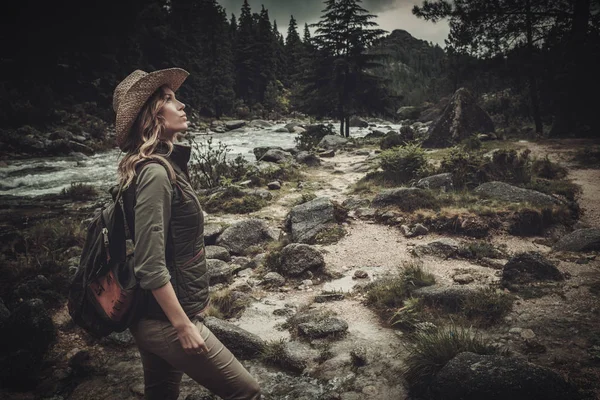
<point x="167" y="227"/>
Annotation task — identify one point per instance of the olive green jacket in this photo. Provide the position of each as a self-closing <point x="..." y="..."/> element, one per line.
<point x="168" y="232"/>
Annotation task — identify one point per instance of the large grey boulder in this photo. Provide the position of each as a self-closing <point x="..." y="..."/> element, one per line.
<point x="240" y="342"/>
<point x="439" y="181"/>
<point x="461" y="118"/>
<point x="470" y="376"/>
<point x="259" y="123"/>
<point x="509" y="193"/>
<point x="295" y="356"/>
<point x="444" y="247"/>
<point x="211" y="232"/>
<point x="307" y="220"/>
<point x="332" y="142"/>
<point x="307" y="158"/>
<point x="529" y="267"/>
<point x="297" y="258"/>
<point x="219" y="271"/>
<point x="579" y="240"/>
<point x="239" y="236"/>
<point x="277" y="156"/>
<point x="231" y="125"/>
<point x="259" y="152"/>
<point x="217" y="253"/>
<point x="356" y="122"/>
<point x="323" y="328"/>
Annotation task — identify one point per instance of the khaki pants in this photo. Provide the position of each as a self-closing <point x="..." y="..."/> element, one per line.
<point x="165" y="362"/>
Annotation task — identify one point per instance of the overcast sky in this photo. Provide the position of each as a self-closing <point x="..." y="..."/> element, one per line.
<point x="392" y="14"/>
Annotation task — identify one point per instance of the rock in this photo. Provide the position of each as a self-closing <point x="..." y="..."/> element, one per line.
<point x="231" y="125"/>
<point x="407" y="198"/>
<point x="463" y="279"/>
<point x="529" y="267"/>
<point x="33" y="287"/>
<point x="239" y="236"/>
<point x="120" y="338"/>
<point x="259" y="123"/>
<point x="323" y="328"/>
<point x="408" y="113"/>
<point x="80" y="147"/>
<point x="579" y="240"/>
<point x="365" y="213"/>
<point x="258" y="260"/>
<point x="61" y="134"/>
<point x="416" y="230"/>
<point x="297" y="258"/>
<point x="219" y="271"/>
<point x="298" y="130"/>
<point x="505" y="192"/>
<point x="290" y="126"/>
<point x="307" y="220"/>
<point x="275" y="185"/>
<point x="327" y="154"/>
<point x="352" y="203"/>
<point x="282" y="130"/>
<point x="332" y="142"/>
<point x="217" y="253"/>
<point x="527" y="334"/>
<point x="310" y="159"/>
<point x="26" y="337"/>
<point x="327" y="297"/>
<point x="295" y="356"/>
<point x="449" y="298"/>
<point x="245" y="273"/>
<point x="259" y="152"/>
<point x="243" y="344"/>
<point x="273" y="279"/>
<point x="445" y="248"/>
<point x="240" y="263"/>
<point x="262" y="193"/>
<point x="461" y="118"/>
<point x="211" y="232"/>
<point x="360" y="274"/>
<point x="473" y="376"/>
<point x="439" y="181"/>
<point x="277" y="156"/>
<point x="356" y="122"/>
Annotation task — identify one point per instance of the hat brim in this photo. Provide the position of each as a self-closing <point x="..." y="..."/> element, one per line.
<point x="140" y="92"/>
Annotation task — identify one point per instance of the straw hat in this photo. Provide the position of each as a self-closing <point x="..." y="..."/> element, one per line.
<point x="131" y="94"/>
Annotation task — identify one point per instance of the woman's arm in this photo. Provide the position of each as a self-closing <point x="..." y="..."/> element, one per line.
<point x="152" y="218"/>
<point x="188" y="333"/>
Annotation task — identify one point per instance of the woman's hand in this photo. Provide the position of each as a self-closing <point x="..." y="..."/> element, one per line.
<point x="191" y="340"/>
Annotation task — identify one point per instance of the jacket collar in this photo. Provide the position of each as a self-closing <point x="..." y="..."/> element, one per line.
<point x="180" y="155"/>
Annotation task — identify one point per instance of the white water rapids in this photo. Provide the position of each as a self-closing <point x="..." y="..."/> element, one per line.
<point x="49" y="175"/>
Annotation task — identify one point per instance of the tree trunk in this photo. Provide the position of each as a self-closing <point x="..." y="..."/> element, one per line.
<point x="347" y="126"/>
<point x="533" y="88"/>
<point x="342" y="119"/>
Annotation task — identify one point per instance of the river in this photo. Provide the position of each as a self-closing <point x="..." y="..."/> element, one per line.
<point x="49" y="175"/>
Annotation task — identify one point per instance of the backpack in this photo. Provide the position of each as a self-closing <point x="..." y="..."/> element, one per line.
<point x="104" y="295"/>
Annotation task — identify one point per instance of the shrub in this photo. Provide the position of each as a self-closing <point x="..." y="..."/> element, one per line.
<point x="472" y="142"/>
<point x="305" y="198"/>
<point x="404" y="163"/>
<point x="274" y="352"/>
<point x="79" y="191"/>
<point x="465" y="168"/>
<point x="487" y="305"/>
<point x="407" y="316"/>
<point x="547" y="169"/>
<point x="309" y="139"/>
<point x="479" y="250"/>
<point x="233" y="200"/>
<point x="229" y="304"/>
<point x="414" y="276"/>
<point x="276" y="172"/>
<point x="330" y="235"/>
<point x="567" y="189"/>
<point x="432" y="350"/>
<point x="210" y="166"/>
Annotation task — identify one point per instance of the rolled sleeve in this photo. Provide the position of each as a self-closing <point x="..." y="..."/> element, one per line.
<point x="152" y="218"/>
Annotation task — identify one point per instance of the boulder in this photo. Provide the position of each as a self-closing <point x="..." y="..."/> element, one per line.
<point x="332" y="142"/>
<point x="231" y="125"/>
<point x="408" y="112"/>
<point x="310" y="159"/>
<point x="444" y="248"/>
<point x="470" y="376"/>
<point x="439" y="181"/>
<point x="327" y="154"/>
<point x="529" y="267"/>
<point x="211" y="232"/>
<point x="243" y="344"/>
<point x="217" y="253"/>
<point x="579" y="240"/>
<point x="290" y="126"/>
<point x="275" y="185"/>
<point x="509" y="193"/>
<point x="307" y="220"/>
<point x="273" y="279"/>
<point x="353" y="203"/>
<point x="259" y="152"/>
<point x="219" y="271"/>
<point x="323" y="328"/>
<point x="356" y="122"/>
<point x="239" y="236"/>
<point x="461" y="118"/>
<point x="295" y="356"/>
<point x="277" y="156"/>
<point x="259" y="123"/>
<point x="297" y="258"/>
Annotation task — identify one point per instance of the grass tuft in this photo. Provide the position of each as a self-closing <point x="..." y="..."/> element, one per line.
<point x="487" y="306"/>
<point x="79" y="191"/>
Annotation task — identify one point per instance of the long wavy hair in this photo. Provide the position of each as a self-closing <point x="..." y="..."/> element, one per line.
<point x="144" y="138"/>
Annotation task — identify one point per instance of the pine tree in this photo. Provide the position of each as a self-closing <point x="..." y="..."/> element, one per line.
<point x="244" y="55"/>
<point x="293" y="51"/>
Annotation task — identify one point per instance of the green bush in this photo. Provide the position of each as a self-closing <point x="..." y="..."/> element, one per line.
<point x="309" y="139"/>
<point x="233" y="200"/>
<point x="487" y="305"/>
<point x="431" y="351"/>
<point x="472" y="143"/>
<point x="210" y="166"/>
<point x="404" y="163"/>
<point x="567" y="189"/>
<point x="478" y="250"/>
<point x="391" y="140"/>
<point x="79" y="191"/>
<point x="547" y="169"/>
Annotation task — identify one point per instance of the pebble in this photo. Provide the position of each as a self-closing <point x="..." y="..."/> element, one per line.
<point x="527" y="334"/>
<point x="463" y="278"/>
<point x="515" y="330"/>
<point x="360" y="274"/>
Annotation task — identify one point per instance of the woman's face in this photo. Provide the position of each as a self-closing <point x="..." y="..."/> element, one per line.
<point x="175" y="118"/>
